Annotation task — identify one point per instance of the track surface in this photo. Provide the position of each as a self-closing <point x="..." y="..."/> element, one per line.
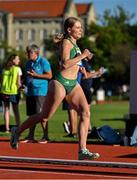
<point x="68" y="151"/>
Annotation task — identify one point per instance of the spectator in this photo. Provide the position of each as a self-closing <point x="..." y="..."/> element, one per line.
<point x="38" y="72"/>
<point x="10" y="85"/>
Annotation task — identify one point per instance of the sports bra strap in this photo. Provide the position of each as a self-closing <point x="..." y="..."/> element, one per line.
<point x="72" y="42"/>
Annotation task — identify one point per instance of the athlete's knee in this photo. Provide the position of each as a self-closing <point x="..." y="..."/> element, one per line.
<point x="85" y="113"/>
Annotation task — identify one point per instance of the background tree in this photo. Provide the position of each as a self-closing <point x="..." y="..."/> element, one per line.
<point x="113" y="45"/>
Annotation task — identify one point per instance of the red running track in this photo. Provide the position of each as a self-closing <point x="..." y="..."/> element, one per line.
<point x="68" y="151"/>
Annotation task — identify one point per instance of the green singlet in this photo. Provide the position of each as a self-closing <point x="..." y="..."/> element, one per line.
<point x="69" y="84"/>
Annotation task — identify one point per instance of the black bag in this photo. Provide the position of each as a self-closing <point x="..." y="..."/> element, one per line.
<point x="109" y="135"/>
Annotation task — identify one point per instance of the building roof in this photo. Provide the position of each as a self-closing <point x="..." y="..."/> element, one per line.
<point x="82" y="8"/>
<point x="34" y="8"/>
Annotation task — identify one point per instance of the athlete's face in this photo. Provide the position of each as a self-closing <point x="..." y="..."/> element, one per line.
<point x="76" y="31"/>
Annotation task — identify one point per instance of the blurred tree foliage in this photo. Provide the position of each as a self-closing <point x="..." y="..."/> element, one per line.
<point x="10" y="50"/>
<point x="115" y="39"/>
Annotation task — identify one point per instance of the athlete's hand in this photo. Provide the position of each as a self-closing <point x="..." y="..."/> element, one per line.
<point x="83" y="71"/>
<point x="88" y="55"/>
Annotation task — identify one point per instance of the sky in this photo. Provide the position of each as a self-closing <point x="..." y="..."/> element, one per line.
<point x="101" y="5"/>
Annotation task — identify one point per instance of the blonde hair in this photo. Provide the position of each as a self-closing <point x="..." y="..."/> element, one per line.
<point x="58" y="37"/>
<point x="69" y="23"/>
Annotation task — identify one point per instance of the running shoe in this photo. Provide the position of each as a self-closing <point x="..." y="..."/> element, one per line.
<point x="28" y="141"/>
<point x="66" y="127"/>
<point x="14" y="138"/>
<point x="43" y="141"/>
<point x="84" y="154"/>
<point x="74" y="135"/>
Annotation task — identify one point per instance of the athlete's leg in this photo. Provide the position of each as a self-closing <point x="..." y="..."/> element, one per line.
<point x="56" y="94"/>
<point x="78" y="101"/>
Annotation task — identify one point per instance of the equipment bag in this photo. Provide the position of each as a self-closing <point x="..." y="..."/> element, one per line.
<point x="108" y="135"/>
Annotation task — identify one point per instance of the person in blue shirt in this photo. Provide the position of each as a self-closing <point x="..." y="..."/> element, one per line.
<point x="38" y="73"/>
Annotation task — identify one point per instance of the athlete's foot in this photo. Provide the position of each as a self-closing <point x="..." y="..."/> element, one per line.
<point x="14" y="138"/>
<point x="84" y="154"/>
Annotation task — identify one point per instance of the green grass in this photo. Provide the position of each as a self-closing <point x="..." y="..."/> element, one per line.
<point x="101" y="114"/>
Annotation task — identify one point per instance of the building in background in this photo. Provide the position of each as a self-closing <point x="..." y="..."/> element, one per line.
<point x="23" y="22"/>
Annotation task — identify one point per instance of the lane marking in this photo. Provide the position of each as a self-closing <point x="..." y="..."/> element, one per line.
<point x="69" y="162"/>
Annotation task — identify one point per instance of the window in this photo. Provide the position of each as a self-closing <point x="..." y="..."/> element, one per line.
<point x="43" y="34"/>
<point x="19" y="34"/>
<point x="31" y="35"/>
<point x="54" y="31"/>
